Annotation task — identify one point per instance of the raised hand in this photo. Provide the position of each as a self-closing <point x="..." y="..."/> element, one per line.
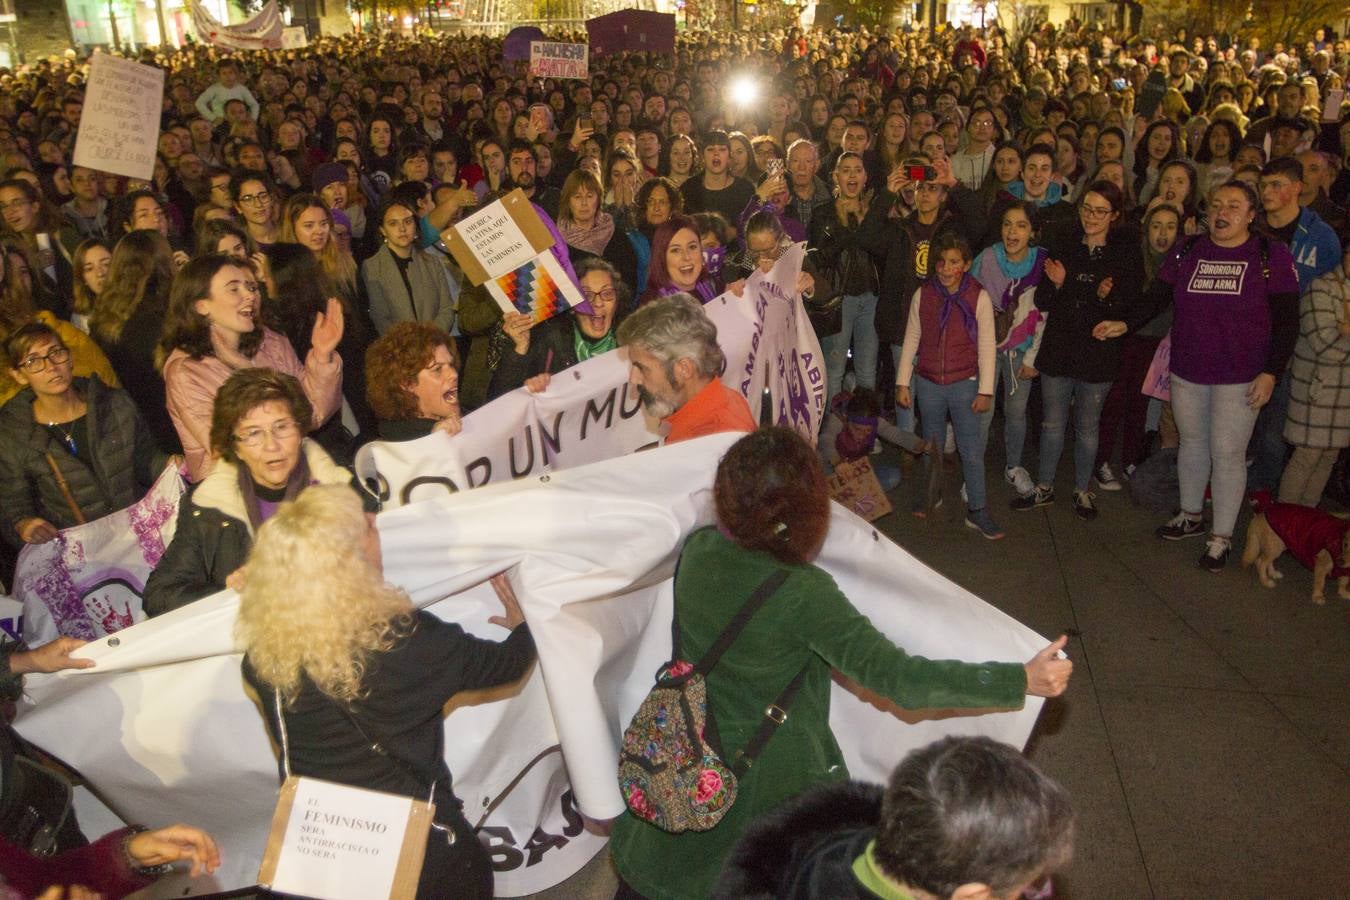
<point x="517" y="327"/>
<point x="1054" y="270"/>
<point x="507" y="594"/>
<point x="327" y="330"/>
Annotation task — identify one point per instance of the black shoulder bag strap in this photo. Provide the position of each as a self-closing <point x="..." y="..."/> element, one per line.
<point x="376" y="747"/>
<point x="775" y="714"/>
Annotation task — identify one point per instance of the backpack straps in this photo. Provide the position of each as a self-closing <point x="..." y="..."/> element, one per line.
<point x="775" y="714"/>
<point x="738" y="622"/>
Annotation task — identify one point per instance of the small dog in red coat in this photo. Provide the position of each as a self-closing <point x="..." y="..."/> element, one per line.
<point x="1317" y="539"/>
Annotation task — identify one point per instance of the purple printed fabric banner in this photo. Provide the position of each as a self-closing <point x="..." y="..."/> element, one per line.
<point x="516" y="47"/>
<point x="87" y="583"/>
<point x="631" y="29"/>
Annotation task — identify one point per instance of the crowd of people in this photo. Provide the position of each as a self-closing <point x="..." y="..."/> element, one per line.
<point x="1042" y="231"/>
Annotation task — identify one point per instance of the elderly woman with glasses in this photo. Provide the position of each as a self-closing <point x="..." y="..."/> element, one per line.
<point x="258" y="427"/>
<point x="563" y="341"/>
<point x="72" y="449"/>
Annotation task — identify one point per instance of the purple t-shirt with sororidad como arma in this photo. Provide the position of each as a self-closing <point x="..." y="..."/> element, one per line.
<point x="1221" y="330"/>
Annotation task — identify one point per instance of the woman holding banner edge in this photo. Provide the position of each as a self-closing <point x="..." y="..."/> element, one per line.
<point x="772" y="510"/>
<point x="362" y="675"/>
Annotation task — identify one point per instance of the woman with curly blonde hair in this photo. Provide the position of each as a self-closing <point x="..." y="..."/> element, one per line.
<point x="341" y="660"/>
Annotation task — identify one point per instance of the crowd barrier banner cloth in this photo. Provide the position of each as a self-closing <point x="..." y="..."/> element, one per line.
<point x="263" y="31"/>
<point x="590" y="412"/>
<point x="167" y="733"/>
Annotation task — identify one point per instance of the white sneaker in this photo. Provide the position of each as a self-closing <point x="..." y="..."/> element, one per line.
<point x="965" y="498"/>
<point x="1020" y="479"/>
<point x="1106" y="478"/>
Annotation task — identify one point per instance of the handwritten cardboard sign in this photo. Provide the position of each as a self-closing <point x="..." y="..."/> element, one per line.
<point x="549" y="59"/>
<point x="336" y="842"/>
<point x="119" y="128"/>
<point x="293" y="37"/>
<point x="854" y="485"/>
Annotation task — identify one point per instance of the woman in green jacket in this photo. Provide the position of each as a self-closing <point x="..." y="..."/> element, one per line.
<point x="773" y="511"/>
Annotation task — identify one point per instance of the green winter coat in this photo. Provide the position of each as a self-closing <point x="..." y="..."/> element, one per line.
<point x="808" y="622"/>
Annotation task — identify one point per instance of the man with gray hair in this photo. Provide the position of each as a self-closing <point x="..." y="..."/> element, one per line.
<point x="676" y="366"/>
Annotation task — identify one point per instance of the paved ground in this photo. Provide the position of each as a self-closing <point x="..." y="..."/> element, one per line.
<point x="1204" y="737"/>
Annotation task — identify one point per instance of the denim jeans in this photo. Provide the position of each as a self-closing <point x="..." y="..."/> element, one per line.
<point x="1087" y="397"/>
<point x="1215" y="422"/>
<point x="860" y="331"/>
<point x="938" y="401"/>
<point x="1015" y="392"/>
<point x="1267" y="446"/>
<point x="888" y="476"/>
<point x="904" y="418"/>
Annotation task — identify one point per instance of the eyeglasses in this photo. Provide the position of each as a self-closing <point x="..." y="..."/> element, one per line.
<point x="280" y="431"/>
<point x="260" y="198"/>
<point x="1096" y="212"/>
<point x="760" y="255"/>
<point x="35" y="364"/>
<point x="608" y="295"/>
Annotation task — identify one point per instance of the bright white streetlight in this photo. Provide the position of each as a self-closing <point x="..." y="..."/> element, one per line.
<point x="744" y="91"/>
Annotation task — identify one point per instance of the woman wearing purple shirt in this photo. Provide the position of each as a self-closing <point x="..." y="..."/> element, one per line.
<point x="1236" y="321"/>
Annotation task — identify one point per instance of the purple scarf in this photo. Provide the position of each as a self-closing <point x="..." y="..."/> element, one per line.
<point x="298" y="481"/>
<point x="851" y="447"/>
<point x="953" y="300"/>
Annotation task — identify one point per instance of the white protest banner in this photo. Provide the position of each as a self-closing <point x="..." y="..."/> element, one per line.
<point x="293" y="37"/>
<point x="553" y="60"/>
<point x="590" y="412"/>
<point x="119" y="127"/>
<point x="166" y="732"/>
<point x="11" y="619"/>
<point x="783" y="352"/>
<point x="88" y="581"/>
<point x="262" y="32"/>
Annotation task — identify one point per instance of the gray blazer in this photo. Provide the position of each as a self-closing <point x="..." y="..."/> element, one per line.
<point x="431" y="300"/>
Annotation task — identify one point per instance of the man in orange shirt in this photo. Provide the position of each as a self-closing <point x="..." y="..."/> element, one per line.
<point x="676" y="366"/>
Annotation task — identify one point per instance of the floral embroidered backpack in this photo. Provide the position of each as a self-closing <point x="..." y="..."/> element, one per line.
<point x="672" y="771"/>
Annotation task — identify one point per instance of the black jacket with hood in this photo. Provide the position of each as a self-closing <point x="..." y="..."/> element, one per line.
<point x="804" y="849"/>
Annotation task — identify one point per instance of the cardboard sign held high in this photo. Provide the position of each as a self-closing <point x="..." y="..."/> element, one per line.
<point x="119" y="128"/>
<point x="506" y="246"/>
<point x="549" y="59"/>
